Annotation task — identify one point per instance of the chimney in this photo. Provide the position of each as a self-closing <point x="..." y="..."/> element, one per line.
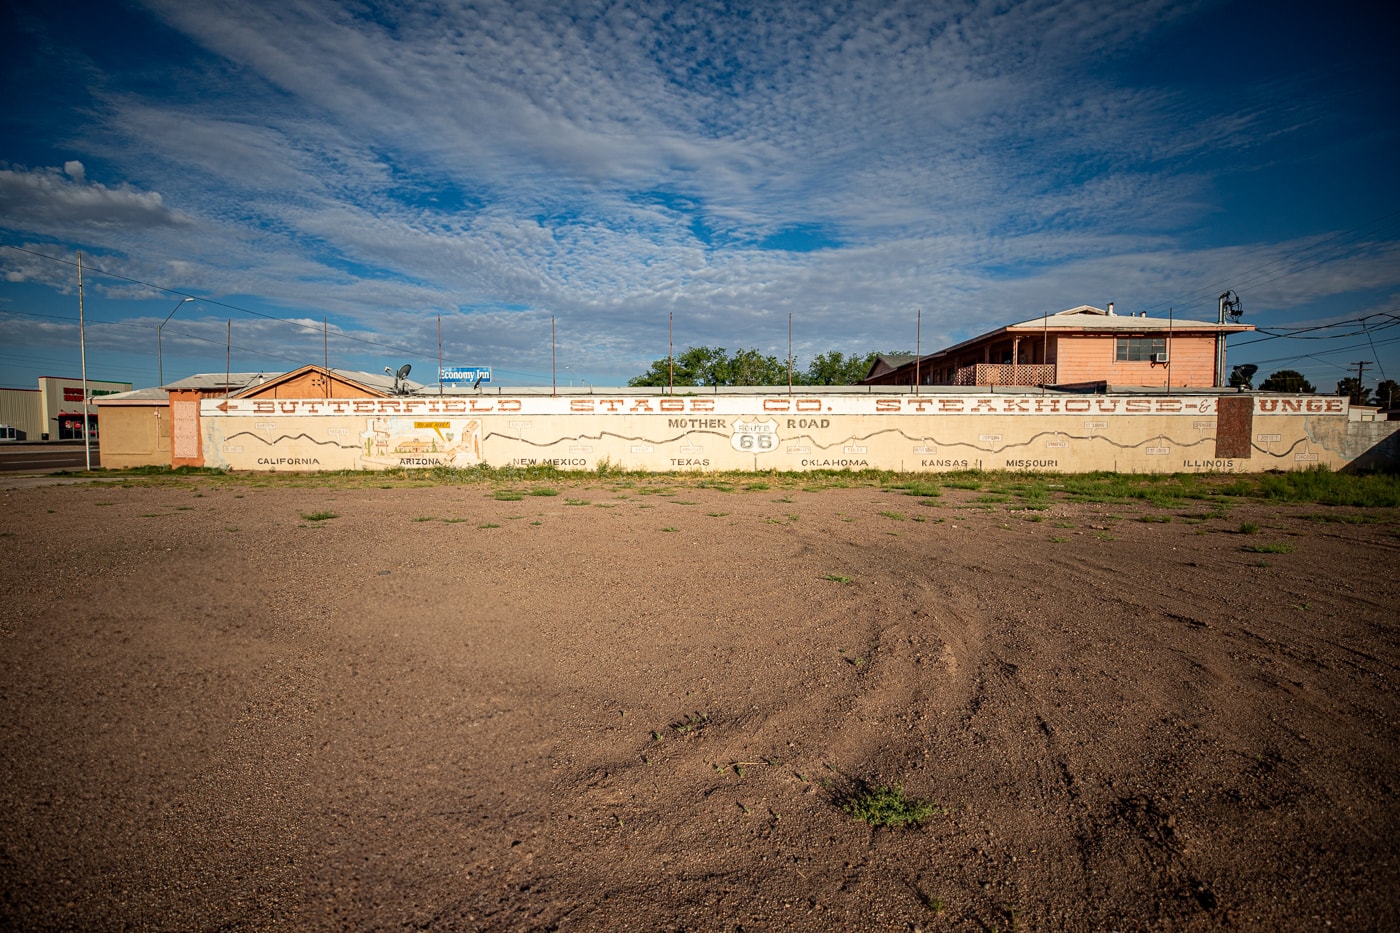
<point x="1110" y="308"/>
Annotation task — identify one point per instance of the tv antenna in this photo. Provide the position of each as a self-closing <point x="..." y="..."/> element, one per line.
<point x="1230" y="307"/>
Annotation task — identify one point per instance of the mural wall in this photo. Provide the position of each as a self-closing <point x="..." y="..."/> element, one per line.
<point x="1228" y="433"/>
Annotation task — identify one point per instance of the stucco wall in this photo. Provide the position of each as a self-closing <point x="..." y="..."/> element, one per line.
<point x="135" y="435"/>
<point x="782" y="432"/>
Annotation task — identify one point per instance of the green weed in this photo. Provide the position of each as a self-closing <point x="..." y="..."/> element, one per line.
<point x="881" y="805"/>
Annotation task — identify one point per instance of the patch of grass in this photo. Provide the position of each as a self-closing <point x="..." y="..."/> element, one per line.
<point x="488" y="525"/>
<point x="452" y="521"/>
<point x="507" y="495"/>
<point x="757" y="487"/>
<point x="896" y="516"/>
<point x="881" y="805"/>
<point x="319" y="516"/>
<point x="425" y="518"/>
<point x="838" y="578"/>
<point x="670" y="528"/>
<point x="577" y="502"/>
<point x="543" y="491"/>
<point x="1058" y="539"/>
<point x="923" y="489"/>
<point x="1151" y="519"/>
<point x="1269" y="548"/>
<point x="1348" y="518"/>
<point x="690" y="724"/>
<point x="1249" y="528"/>
<point x="716" y="514"/>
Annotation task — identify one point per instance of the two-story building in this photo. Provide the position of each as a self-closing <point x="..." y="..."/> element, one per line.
<point x="1083" y="347"/>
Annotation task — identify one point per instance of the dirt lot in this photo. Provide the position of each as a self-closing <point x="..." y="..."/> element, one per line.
<point x="633" y="707"/>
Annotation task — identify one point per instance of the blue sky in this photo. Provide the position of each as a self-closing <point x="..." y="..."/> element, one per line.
<point x="375" y="168"/>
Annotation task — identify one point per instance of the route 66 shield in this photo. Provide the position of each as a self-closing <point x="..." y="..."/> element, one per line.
<point x="754" y="437"/>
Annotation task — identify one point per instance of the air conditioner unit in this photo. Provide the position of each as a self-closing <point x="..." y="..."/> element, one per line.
<point x="1159" y="357"/>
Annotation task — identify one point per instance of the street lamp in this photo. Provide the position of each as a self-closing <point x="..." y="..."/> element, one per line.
<point x="160" y="364"/>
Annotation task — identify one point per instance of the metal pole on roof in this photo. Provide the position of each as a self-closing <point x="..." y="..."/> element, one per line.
<point x="160" y="362"/>
<point x="789" y="353"/>
<point x="82" y="352"/>
<point x="1171" y="312"/>
<point x="918" y="346"/>
<point x="1044" y="349"/>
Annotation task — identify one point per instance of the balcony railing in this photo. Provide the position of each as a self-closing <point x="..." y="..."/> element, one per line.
<point x="1005" y="374"/>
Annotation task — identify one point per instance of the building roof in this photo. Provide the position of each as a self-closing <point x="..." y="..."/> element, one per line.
<point x="1091" y="320"/>
<point x="238" y="382"/>
<point x="218" y="381"/>
<point x="886" y="362"/>
<point x="154" y="395"/>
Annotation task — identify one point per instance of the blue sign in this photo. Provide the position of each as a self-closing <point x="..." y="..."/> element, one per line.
<point x="468" y="375"/>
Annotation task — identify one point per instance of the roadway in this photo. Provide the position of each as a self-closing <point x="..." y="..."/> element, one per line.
<point x="44" y="458"/>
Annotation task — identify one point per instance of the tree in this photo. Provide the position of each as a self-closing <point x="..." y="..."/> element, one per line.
<point x="714" y="366"/>
<point x="1388" y="393"/>
<point x="836" y="369"/>
<point x="1354" y="390"/>
<point x="1287" y="380"/>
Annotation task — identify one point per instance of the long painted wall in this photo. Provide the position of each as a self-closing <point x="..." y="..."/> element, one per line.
<point x="1066" y="433"/>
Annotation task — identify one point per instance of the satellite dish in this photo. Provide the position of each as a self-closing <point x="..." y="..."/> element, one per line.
<point x="1243" y="375"/>
<point x="403" y="371"/>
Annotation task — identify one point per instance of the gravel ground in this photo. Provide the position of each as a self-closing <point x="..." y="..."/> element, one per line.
<point x="633" y="707"/>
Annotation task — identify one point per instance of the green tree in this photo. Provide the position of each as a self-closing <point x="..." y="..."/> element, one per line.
<point x="1388" y="393"/>
<point x="1352" y="388"/>
<point x="714" y="366"/>
<point x="837" y="369"/>
<point x="1287" y="380"/>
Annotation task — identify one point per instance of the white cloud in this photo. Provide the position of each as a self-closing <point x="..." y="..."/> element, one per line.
<point x="45" y="201"/>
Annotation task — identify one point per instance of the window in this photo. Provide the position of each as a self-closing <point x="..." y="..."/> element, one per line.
<point x="1140" y="348"/>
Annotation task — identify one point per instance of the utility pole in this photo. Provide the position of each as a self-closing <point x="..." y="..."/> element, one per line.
<point x="1361" y="372"/>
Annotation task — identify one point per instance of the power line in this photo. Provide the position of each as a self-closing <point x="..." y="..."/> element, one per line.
<point x="98" y="270"/>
